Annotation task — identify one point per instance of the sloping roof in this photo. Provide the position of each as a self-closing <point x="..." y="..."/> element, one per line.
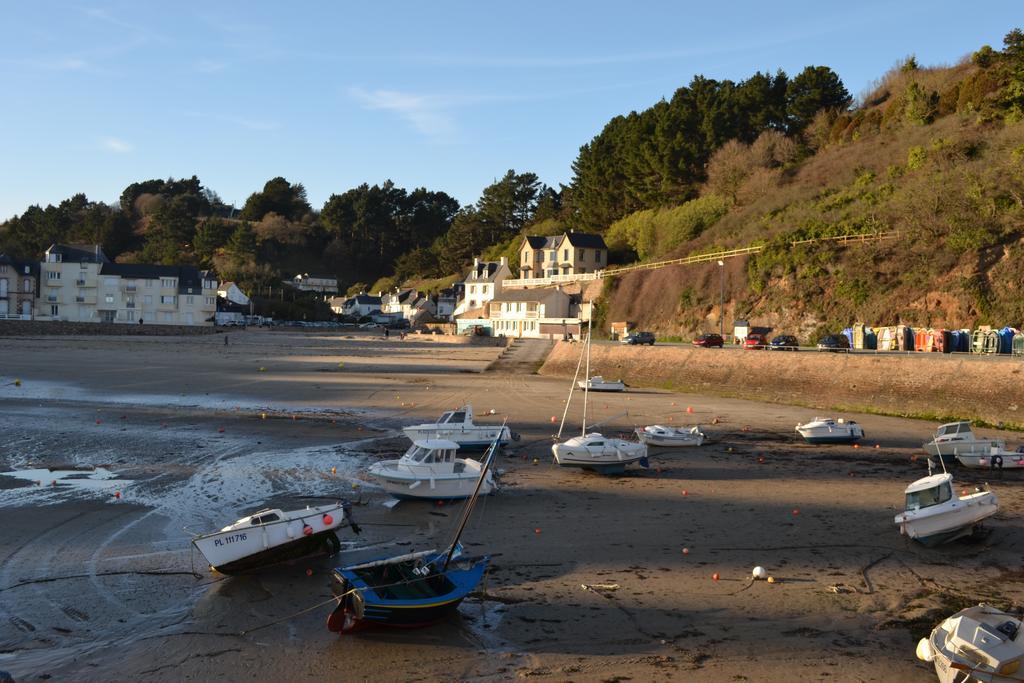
<point x="543" y="242"/>
<point x="19" y="266"/>
<point x="583" y="240"/>
<point x="485" y="271"/>
<point x="365" y="300"/>
<point x="79" y="253"/>
<point x="190" y="280"/>
<point x="539" y="294"/>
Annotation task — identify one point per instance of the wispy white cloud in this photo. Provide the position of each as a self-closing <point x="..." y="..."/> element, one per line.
<point x="427" y="114"/>
<point x="116" y="145"/>
<point x="210" y="66"/>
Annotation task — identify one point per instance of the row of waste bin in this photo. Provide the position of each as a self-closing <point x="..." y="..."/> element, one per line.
<point x="1008" y="340"/>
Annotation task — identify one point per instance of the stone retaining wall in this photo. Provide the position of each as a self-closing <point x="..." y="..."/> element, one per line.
<point x="37" y="328"/>
<point x="934" y="387"/>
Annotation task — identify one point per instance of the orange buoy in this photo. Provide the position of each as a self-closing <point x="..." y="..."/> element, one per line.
<point x="876" y="445"/>
<point x="537" y="530"/>
<point x="334" y="470"/>
<point x="715" y="577"/>
<point x="689" y="409"/>
<point x="307" y="530"/>
<point x="117" y="494"/>
<point x="685" y="493"/>
<point x="796" y="511"/>
<point x="220" y="430"/>
<point x="99" y="422"/>
<point x="554" y="419"/>
<point x="328" y="520"/>
<point x="856" y="445"/>
<point x="309" y="572"/>
<point x="686" y="551"/>
<point x="760" y="459"/>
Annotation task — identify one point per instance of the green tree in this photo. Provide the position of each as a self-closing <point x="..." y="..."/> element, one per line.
<point x="814" y="89"/>
<point x="242" y="244"/>
<point x="278" y="196"/>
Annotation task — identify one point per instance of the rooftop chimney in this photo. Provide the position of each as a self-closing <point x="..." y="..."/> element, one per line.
<point x="504" y="260"/>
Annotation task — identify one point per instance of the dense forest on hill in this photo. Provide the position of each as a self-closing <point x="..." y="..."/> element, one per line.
<point x="937" y="153"/>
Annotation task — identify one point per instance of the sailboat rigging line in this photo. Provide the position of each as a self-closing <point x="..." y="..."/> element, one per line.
<point x="572" y="387"/>
<point x="471" y="503"/>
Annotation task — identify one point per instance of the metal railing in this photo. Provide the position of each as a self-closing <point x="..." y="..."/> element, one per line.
<point x="691" y="259"/>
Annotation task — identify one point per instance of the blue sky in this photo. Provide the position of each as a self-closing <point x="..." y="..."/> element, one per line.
<point x="446" y="95"/>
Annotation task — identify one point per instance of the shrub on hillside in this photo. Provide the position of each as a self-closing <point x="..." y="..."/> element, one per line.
<point x="655" y="232"/>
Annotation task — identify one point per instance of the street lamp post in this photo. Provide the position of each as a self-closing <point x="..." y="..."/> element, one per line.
<point x="721" y="300"/>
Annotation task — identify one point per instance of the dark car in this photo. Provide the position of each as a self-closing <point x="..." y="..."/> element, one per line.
<point x="755" y="341"/>
<point x="834" y="342"/>
<point x="709" y="340"/>
<point x="784" y="342"/>
<point x="634" y="338"/>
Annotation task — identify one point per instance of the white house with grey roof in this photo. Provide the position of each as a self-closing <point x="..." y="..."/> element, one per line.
<point x="481" y="285"/>
<point x="541" y="312"/>
<point x="78" y="283"/>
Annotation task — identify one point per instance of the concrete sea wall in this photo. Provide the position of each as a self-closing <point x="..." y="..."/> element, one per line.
<point x="989" y="389"/>
<point x="38" y="328"/>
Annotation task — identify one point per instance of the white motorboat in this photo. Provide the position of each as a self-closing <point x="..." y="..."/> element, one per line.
<point x="599" y="383"/>
<point x="594" y="451"/>
<point x="458" y="426"/>
<point x="430" y="470"/>
<point x="599" y="453"/>
<point x="659" y="435"/>
<point x="271" y="536"/>
<point x="829" y="430"/>
<point x="934" y="514"/>
<point x="996" y="459"/>
<point x="979" y="643"/>
<point x="957" y="438"/>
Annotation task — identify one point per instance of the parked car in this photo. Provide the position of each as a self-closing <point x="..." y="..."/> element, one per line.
<point x="709" y="340"/>
<point x="836" y="343"/>
<point x="369" y="326"/>
<point x="634" y="338"/>
<point x="755" y="341"/>
<point x="784" y="342"/>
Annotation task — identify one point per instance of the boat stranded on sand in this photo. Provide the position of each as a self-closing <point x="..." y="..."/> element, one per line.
<point x="458" y="426"/>
<point x="659" y="435"/>
<point x="414" y="589"/>
<point x="957" y="438"/>
<point x="271" y="536"/>
<point x="934" y="515"/>
<point x="430" y="470"/>
<point x="995" y="459"/>
<point x="599" y="383"/>
<point x="979" y="643"/>
<point x="828" y="430"/>
<point x="594" y="451"/>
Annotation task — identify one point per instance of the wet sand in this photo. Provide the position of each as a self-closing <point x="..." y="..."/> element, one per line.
<point x="97" y="587"/>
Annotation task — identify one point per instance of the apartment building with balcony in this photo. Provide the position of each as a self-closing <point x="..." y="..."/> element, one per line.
<point x="19" y="284"/>
<point x="570" y="253"/>
<point x="80" y="284"/>
<point x="540" y="312"/>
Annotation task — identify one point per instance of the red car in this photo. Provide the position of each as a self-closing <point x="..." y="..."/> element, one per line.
<point x="755" y="341"/>
<point x="709" y="340"/>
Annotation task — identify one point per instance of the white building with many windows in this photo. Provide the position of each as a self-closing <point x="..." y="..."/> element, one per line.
<point x="482" y="284"/>
<point x="79" y="284"/>
<point x="541" y="312"/>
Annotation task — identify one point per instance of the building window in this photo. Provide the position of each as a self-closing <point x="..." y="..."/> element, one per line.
<point x="188" y="300"/>
<point x="53" y="275"/>
<point x="565" y="254"/>
<point x="147" y="299"/>
<point x="167" y="282"/>
<point x="472" y="289"/>
<point x="54" y="310"/>
<point x="3" y="268"/>
<point x="600" y="254"/>
<point x="167" y="300"/>
<point x="27" y="285"/>
<point x="167" y="317"/>
<point x="540" y="256"/>
<point x="149" y="284"/>
<point x="210" y="301"/>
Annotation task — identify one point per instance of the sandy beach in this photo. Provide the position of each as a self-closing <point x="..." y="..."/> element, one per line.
<point x="97" y="580"/>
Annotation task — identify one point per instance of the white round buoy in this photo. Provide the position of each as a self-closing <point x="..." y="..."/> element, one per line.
<point x="760" y="573"/>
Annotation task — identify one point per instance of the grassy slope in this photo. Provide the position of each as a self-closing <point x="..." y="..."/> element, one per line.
<point x="946" y="185"/>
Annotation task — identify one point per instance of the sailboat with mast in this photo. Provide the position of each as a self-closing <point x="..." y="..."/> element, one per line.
<point x="411" y="590"/>
<point x="594" y="451"/>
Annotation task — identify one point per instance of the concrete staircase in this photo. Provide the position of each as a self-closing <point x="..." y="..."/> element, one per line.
<point x="522" y="357"/>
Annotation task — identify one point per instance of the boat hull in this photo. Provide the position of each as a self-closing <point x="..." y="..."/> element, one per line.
<point x="678" y="440"/>
<point x="603" y="386"/>
<point x="603" y="463"/>
<point x="945" y="524"/>
<point x="832" y="439"/>
<point x="361" y="605"/>
<point x="235" y="550"/>
<point x="477" y="438"/>
<point x="973" y="447"/>
<point x="843" y="433"/>
<point x="408" y="486"/>
<point x="1008" y="460"/>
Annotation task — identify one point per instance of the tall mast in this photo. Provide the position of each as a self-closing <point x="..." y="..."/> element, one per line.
<point x="586" y="386"/>
<point x="572" y="388"/>
<point x="468" y="508"/>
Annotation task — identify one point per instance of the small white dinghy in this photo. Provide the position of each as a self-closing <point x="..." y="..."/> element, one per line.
<point x="659" y="435"/>
<point x="935" y="515"/>
<point x="599" y="383"/>
<point x="271" y="536"/>
<point x="599" y="453"/>
<point x="429" y="470"/>
<point x="957" y="438"/>
<point x="829" y="430"/>
<point x="979" y="643"/>
<point x="458" y="426"/>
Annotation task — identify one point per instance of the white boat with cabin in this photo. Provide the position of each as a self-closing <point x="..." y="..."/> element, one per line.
<point x="979" y="643"/>
<point x="957" y="438"/>
<point x="458" y="426"/>
<point x="660" y="435"/>
<point x="429" y="470"/>
<point x="599" y="383"/>
<point x="830" y="430"/>
<point x="270" y="536"/>
<point x="934" y="514"/>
